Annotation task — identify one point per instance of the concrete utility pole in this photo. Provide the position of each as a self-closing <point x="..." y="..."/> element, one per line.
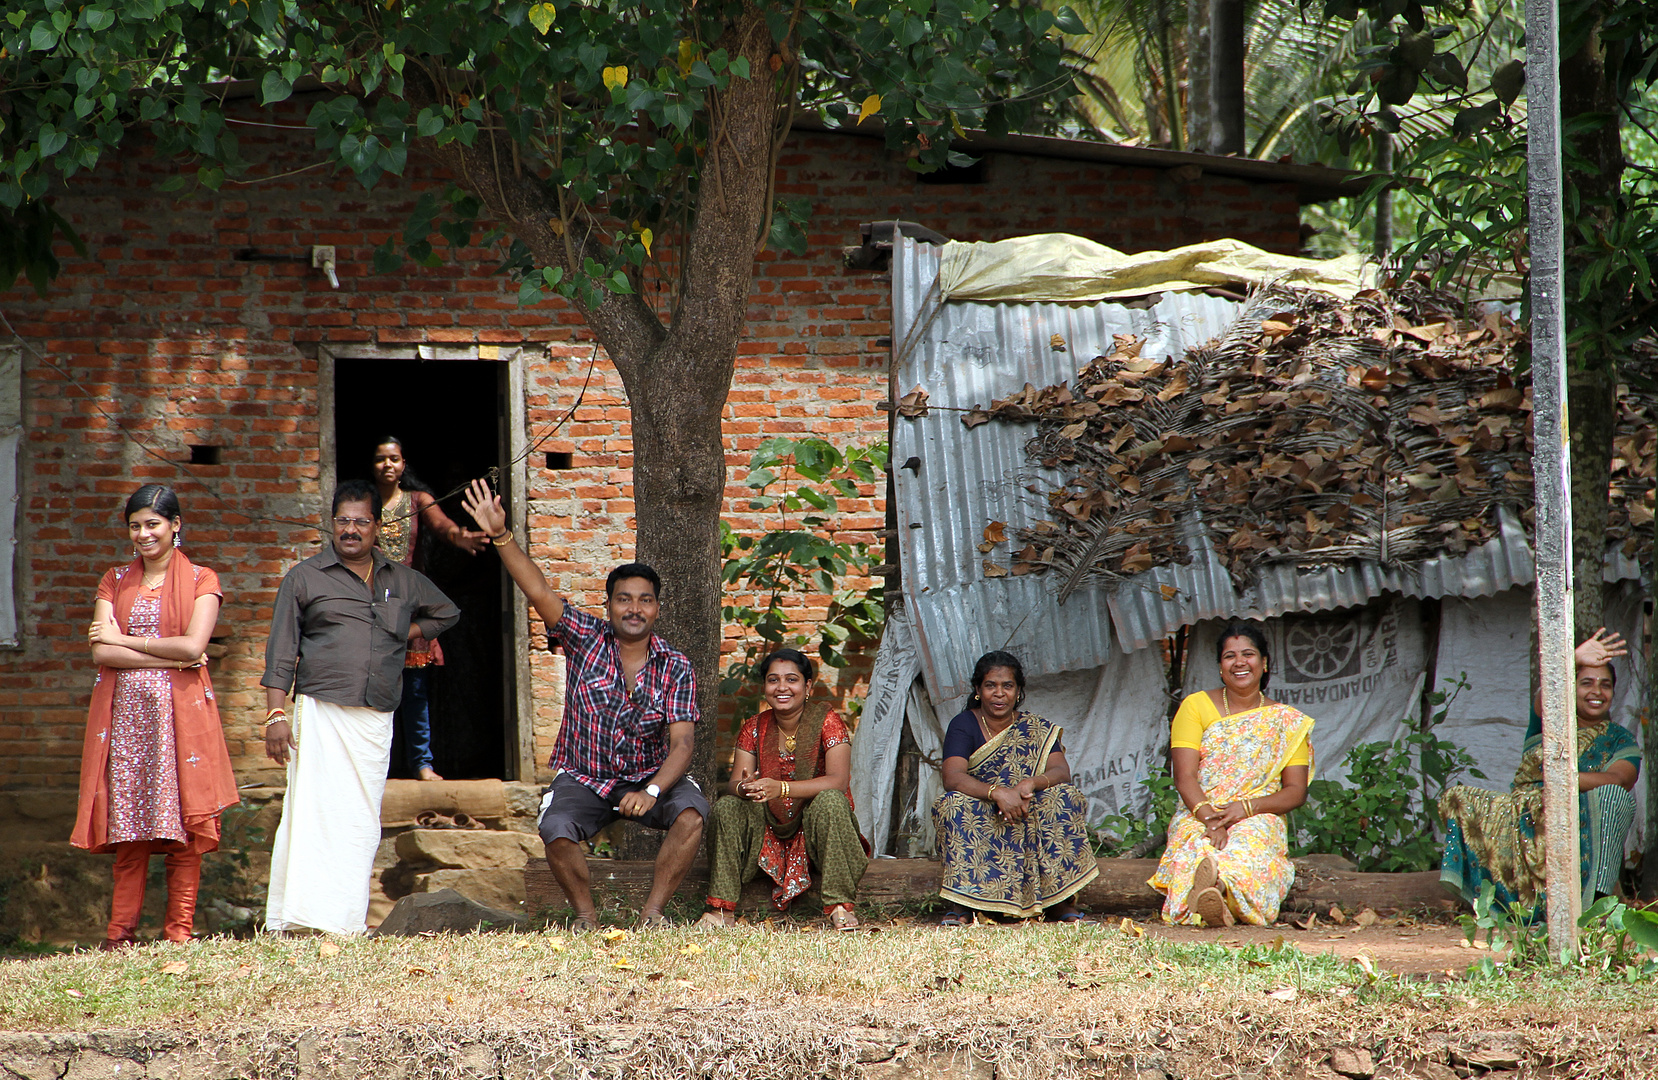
<point x="1551" y="470"/>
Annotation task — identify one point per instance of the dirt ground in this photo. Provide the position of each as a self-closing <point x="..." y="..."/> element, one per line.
<point x="1421" y="949"/>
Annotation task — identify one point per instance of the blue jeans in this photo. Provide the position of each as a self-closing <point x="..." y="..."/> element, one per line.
<point x="412" y="726"/>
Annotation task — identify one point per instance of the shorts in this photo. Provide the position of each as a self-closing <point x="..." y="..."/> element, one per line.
<point x="570" y="810"/>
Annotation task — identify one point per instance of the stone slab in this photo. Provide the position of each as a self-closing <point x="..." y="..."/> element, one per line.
<point x="466" y="849"/>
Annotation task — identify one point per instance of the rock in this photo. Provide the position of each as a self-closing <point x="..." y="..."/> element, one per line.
<point x="1349" y="1062"/>
<point x="446" y="911"/>
<point x="1495" y="1051"/>
<point x="462" y="849"/>
<point x="496" y="887"/>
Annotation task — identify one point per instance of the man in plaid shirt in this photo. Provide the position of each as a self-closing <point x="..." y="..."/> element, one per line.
<point x="630" y="715"/>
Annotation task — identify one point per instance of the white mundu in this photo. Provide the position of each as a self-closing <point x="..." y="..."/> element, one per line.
<point x="324" y="850"/>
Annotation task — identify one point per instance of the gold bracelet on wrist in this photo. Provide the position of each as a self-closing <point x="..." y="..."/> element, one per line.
<point x="785" y="793"/>
<point x="990" y="795"/>
<point x="502" y="540"/>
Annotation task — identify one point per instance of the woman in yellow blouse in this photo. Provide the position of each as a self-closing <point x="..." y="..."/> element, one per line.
<point x="1241" y="761"/>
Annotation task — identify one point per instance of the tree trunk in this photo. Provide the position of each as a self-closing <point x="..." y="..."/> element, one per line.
<point x="1592" y="393"/>
<point x="1649" y="737"/>
<point x="1227" y="19"/>
<point x="1381" y="245"/>
<point x="1592" y="413"/>
<point x="677" y="377"/>
<point x="1198" y="92"/>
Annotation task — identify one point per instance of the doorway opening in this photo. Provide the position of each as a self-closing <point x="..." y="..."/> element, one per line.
<point x="448" y="415"/>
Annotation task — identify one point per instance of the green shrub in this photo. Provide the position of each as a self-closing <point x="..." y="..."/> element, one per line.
<point x="1120" y="836"/>
<point x="800" y="480"/>
<point x="1384" y="817"/>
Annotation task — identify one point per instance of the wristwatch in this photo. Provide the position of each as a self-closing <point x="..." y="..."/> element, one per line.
<point x="653" y="791"/>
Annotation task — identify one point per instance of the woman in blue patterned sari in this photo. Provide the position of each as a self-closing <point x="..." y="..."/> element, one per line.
<point x="1496" y="836"/>
<point x="1011" y="826"/>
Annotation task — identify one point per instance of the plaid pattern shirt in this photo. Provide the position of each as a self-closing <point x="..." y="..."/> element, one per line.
<point x="610" y="735"/>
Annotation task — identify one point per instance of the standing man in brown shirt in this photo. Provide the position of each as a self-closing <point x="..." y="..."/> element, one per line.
<point x="339" y="631"/>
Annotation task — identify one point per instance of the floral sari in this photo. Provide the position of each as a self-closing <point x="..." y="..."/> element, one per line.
<point x="1243" y="757"/>
<point x="1015" y="867"/>
<point x="1497" y="836"/>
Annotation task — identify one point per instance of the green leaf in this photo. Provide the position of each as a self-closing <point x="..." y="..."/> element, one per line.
<point x="99" y="19"/>
<point x="1068" y="22"/>
<point x="619" y="282"/>
<point x="1508" y="80"/>
<point x="541" y="17"/>
<point x="51" y="140"/>
<point x="275" y="88"/>
<point x="1642" y="927"/>
<point x="429" y="122"/>
<point x="42" y="38"/>
<point x="1468" y="121"/>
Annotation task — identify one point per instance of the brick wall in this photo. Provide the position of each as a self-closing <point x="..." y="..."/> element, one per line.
<point x="167" y="331"/>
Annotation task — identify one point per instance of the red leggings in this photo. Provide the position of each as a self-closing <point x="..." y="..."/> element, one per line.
<point x="132" y="866"/>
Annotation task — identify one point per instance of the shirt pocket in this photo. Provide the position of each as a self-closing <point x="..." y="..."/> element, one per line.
<point x="599" y="694"/>
<point x="650" y="711"/>
<point x="392" y="617"/>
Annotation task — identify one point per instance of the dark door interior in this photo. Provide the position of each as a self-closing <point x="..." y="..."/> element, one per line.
<point x="447" y="415"/>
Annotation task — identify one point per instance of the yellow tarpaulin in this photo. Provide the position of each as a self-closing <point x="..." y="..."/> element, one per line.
<point x="1059" y="268"/>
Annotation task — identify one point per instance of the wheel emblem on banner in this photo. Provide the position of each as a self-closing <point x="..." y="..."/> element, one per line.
<point x="1321" y="648"/>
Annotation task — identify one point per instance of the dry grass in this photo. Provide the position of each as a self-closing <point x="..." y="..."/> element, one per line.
<point x="751" y="1002"/>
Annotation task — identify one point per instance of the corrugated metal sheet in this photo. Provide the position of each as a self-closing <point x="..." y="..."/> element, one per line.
<point x="966" y="354"/>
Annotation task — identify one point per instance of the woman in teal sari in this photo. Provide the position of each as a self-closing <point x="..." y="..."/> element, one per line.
<point x="1495" y="837"/>
<point x="1011" y="827"/>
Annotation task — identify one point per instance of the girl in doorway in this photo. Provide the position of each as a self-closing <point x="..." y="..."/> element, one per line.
<point x="406" y="504"/>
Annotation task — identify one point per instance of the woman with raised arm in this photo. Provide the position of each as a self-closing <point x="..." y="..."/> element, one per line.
<point x="1496" y="836"/>
<point x="788" y="805"/>
<point x="1241" y="761"/>
<point x="406" y="506"/>
<point x="1012" y="828"/>
<point x="155" y="772"/>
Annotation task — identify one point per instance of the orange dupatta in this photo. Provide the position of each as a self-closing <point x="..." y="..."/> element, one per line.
<point x="206" y="784"/>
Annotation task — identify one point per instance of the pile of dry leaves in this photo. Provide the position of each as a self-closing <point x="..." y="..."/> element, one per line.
<point x="1388" y="428"/>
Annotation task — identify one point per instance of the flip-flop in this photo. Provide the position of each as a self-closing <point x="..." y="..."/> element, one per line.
<point x="955" y="917"/>
<point x="1074" y="917"/>
<point x="843" y="919"/>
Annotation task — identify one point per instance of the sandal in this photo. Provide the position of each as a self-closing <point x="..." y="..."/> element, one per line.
<point x="1206" y="876"/>
<point x="1212" y="908"/>
<point x="955" y="917"/>
<point x="842" y="918"/>
<point x="714" y="920"/>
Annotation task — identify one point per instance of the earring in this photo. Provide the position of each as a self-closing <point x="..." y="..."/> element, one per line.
<point x="178" y="538"/>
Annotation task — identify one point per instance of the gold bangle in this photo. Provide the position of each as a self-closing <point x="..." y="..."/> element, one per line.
<point x="990" y="795"/>
<point x="785" y="793"/>
<point x="503" y="540"/>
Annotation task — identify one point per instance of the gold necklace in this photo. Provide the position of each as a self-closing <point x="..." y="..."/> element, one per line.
<point x="1227" y="700"/>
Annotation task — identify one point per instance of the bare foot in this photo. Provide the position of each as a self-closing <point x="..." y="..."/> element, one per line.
<point x="428" y="773"/>
<point x="714" y="920"/>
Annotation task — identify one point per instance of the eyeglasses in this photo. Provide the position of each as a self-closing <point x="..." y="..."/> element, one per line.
<point x="361" y="523"/>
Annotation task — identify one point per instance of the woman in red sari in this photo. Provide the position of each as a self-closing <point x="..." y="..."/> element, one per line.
<point x="155" y="773"/>
<point x="788" y="805"/>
